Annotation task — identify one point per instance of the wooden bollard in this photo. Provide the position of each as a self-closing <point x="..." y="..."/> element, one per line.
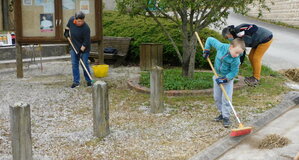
<point x="157" y="104"/>
<point x="20" y="124"/>
<point x="100" y="109"/>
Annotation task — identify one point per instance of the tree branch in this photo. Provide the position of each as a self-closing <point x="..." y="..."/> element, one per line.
<point x="167" y="16"/>
<point x="167" y="34"/>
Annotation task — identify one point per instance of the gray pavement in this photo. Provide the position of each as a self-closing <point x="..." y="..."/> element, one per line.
<point x="286" y="126"/>
<point x="284" y="51"/>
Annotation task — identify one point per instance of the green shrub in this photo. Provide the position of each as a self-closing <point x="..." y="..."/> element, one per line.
<point x="145" y="30"/>
<point x="173" y="80"/>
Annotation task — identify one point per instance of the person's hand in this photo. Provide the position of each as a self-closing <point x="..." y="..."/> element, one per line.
<point x="80" y="52"/>
<point x="206" y="53"/>
<point x="241" y="34"/>
<point x="66" y="33"/>
<point x="221" y="80"/>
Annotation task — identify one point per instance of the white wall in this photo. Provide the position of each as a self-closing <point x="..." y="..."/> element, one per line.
<point x="286" y="11"/>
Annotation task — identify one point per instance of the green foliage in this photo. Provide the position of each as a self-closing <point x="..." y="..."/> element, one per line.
<point x="173" y="80"/>
<point x="145" y="30"/>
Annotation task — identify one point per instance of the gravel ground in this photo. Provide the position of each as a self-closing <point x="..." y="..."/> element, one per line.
<point x="62" y="118"/>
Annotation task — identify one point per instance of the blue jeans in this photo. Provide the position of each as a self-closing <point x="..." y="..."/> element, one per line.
<point x="75" y="66"/>
<point x="220" y="100"/>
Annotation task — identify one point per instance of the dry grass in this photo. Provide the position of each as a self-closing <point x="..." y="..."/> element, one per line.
<point x="273" y="141"/>
<point x="292" y="74"/>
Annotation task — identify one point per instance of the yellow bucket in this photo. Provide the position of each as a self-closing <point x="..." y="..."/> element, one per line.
<point x="100" y="70"/>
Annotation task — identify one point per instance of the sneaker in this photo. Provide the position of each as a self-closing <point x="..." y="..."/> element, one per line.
<point x="251" y="81"/>
<point x="75" y="85"/>
<point x="219" y="118"/>
<point x="89" y="84"/>
<point x="226" y="122"/>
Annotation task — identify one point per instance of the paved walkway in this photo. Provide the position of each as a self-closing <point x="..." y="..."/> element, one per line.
<point x="286" y="126"/>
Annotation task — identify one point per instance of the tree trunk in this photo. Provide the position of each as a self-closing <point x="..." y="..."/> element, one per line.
<point x="189" y="52"/>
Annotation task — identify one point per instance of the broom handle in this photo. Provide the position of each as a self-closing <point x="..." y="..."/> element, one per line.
<point x="68" y="38"/>
<point x="221" y="86"/>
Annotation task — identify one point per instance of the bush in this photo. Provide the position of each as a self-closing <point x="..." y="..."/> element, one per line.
<point x="145" y="30"/>
<point x="173" y="80"/>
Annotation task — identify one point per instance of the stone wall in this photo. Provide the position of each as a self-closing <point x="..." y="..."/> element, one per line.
<point x="286" y="11"/>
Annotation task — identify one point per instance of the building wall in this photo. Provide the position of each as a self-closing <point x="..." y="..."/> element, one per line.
<point x="286" y="11"/>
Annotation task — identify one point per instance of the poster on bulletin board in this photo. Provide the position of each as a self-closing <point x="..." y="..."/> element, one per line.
<point x="27" y="2"/>
<point x="46" y="23"/>
<point x="68" y="4"/>
<point x="40" y="2"/>
<point x="84" y="7"/>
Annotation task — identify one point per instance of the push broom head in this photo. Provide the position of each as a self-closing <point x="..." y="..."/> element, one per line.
<point x="240" y="131"/>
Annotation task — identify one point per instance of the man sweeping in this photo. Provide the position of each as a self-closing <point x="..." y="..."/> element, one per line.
<point x="79" y="33"/>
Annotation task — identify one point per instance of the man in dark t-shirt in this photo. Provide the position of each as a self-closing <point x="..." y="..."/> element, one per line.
<point x="79" y="33"/>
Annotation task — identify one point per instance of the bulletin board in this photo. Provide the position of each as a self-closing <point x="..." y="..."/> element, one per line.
<point x="39" y="18"/>
<point x="44" y="21"/>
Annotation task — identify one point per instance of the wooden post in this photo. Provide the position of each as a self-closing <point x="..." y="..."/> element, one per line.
<point x="151" y="55"/>
<point x="157" y="104"/>
<point x="20" y="122"/>
<point x="100" y="109"/>
<point x="5" y="15"/>
<point x="100" y="30"/>
<point x="19" y="60"/>
<point x="101" y="52"/>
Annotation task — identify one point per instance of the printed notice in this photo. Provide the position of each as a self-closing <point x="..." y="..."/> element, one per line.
<point x="27" y="2"/>
<point x="68" y="4"/>
<point x="49" y="6"/>
<point x="84" y="7"/>
<point x="46" y="23"/>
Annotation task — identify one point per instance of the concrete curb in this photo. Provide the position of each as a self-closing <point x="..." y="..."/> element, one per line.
<point x="134" y="84"/>
<point x="217" y="149"/>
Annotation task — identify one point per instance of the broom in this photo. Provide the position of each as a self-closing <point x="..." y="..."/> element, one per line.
<point x="92" y="81"/>
<point x="237" y="131"/>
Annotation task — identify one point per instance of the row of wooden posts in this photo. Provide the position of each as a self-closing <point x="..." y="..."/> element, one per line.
<point x="20" y="119"/>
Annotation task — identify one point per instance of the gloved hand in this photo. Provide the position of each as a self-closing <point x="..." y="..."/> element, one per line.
<point x="206" y="53"/>
<point x="66" y="33"/>
<point x="221" y="80"/>
<point x="80" y="52"/>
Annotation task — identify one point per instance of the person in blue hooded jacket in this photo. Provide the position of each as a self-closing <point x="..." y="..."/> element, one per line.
<point x="227" y="62"/>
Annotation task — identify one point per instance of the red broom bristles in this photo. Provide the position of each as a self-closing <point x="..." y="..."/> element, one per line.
<point x="240" y="131"/>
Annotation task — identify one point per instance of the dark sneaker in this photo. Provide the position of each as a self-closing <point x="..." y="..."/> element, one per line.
<point x="219" y="118"/>
<point x="226" y="122"/>
<point x="251" y="81"/>
<point x="75" y="85"/>
<point x="89" y="84"/>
